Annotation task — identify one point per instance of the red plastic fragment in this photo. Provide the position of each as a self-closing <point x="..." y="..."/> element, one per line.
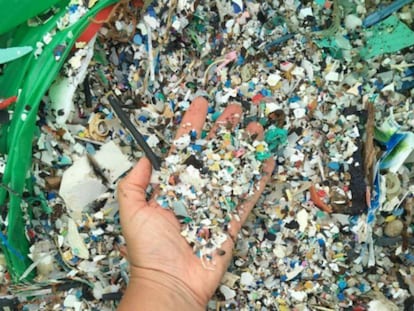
<point x="95" y="24"/>
<point x="257" y="98"/>
<point x="5" y="103"/>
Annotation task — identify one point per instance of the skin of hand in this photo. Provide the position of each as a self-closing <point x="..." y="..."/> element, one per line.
<point x="165" y="274"/>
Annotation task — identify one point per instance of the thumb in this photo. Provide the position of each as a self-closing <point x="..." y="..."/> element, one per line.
<point x="132" y="188"/>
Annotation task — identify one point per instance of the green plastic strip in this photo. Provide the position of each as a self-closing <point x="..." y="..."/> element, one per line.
<point x="33" y="76"/>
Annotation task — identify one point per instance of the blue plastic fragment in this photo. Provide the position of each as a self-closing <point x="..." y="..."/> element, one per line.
<point x="90" y="149"/>
<point x="406" y="85"/>
<point x="294" y="99"/>
<point x="383" y="13"/>
<point x="6" y="243"/>
<point x="341" y="296"/>
<point x="151" y="12"/>
<point x="138" y="39"/>
<point x="334" y="166"/>
<point x="266" y="92"/>
<point x="342" y="284"/>
<point x="193" y="134"/>
<point x="240" y="60"/>
<point x="51" y="196"/>
<point x="197" y="148"/>
<point x="73" y="8"/>
<point x="236" y="8"/>
<point x="409" y="71"/>
<point x="142" y="118"/>
<point x="398" y="211"/>
<point x="279" y="40"/>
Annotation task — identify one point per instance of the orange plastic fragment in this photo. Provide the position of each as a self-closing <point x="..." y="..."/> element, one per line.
<point x="316" y="199"/>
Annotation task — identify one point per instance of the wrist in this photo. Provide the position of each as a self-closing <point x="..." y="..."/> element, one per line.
<point x="157" y="290"/>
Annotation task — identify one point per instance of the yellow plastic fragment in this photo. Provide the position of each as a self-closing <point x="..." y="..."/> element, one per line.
<point x="67" y="256"/>
<point x="390" y="218"/>
<point x="339" y="255"/>
<point x="308" y="284"/>
<point x="260" y="148"/>
<point x="228" y="155"/>
<point x="215" y="167"/>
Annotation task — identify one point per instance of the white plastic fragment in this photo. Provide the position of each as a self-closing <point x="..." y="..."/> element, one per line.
<point x="80" y="186"/>
<point x="71" y="301"/>
<point x="294" y="272"/>
<point x="63" y="89"/>
<point x="352" y="21"/>
<point x="382" y="305"/>
<point x="298" y="295"/>
<point x="227" y="292"/>
<point x="246" y="279"/>
<point x="112" y="161"/>
<point x="75" y="241"/>
<point x="43" y="257"/>
<point x="229" y="279"/>
<point x="307" y="11"/>
<point x="302" y="218"/>
<point x="354" y="90"/>
<point x="273" y="79"/>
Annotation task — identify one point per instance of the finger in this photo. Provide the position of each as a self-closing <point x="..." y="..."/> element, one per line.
<point x="246" y="207"/>
<point x="255" y="130"/>
<point x="225" y="253"/>
<point x="132" y="188"/>
<point x="194" y="117"/>
<point x="229" y="118"/>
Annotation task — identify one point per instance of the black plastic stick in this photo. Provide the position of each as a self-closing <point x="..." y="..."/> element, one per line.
<point x="155" y="161"/>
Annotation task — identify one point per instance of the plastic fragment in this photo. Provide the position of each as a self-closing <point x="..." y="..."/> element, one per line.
<point x="75" y="241"/>
<point x="10" y="54"/>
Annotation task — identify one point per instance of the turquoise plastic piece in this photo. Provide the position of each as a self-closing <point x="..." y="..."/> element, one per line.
<point x="7" y="55"/>
<point x="275" y="137"/>
<point x="388" y="36"/>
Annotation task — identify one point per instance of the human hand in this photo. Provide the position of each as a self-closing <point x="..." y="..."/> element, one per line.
<point x="165" y="273"/>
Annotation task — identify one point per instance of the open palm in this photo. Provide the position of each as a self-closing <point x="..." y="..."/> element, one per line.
<point x="155" y="247"/>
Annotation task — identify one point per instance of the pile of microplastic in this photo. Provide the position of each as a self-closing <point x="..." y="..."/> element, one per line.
<point x="330" y="81"/>
<point x="204" y="181"/>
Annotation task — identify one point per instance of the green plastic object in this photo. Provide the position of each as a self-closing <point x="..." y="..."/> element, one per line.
<point x="15" y="12"/>
<point x="29" y="77"/>
<point x="388" y="36"/>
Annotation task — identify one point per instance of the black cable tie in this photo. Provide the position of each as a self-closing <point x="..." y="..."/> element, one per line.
<point x="115" y="104"/>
